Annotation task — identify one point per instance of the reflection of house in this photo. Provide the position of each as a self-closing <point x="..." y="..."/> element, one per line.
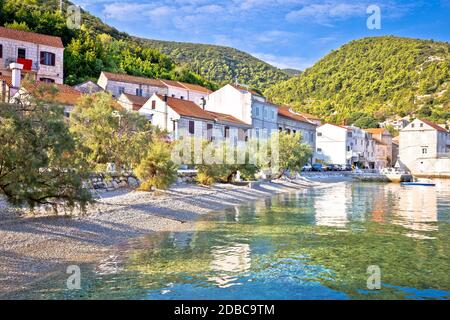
<point x="181" y="117"/>
<point x="117" y="84"/>
<point x="383" y="147"/>
<point x="41" y="56"/>
<point x="425" y="148"/>
<point x="331" y="210"/>
<point x="228" y="262"/>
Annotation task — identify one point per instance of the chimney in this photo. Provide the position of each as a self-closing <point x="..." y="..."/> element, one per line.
<point x="16" y="74"/>
<point x="204" y="103"/>
<point x="166" y="113"/>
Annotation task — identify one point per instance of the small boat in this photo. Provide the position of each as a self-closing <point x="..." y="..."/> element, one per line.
<point x="422" y="184"/>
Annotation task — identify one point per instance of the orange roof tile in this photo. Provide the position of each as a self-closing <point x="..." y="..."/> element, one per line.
<point x="221" y="117"/>
<point x="240" y="88"/>
<point x="121" y="77"/>
<point x="137" y="100"/>
<point x="376" y="130"/>
<point x="32" y="37"/>
<point x="433" y="125"/>
<point x="65" y="94"/>
<point x="285" y="111"/>
<point x="7" y="79"/>
<point x="187" y="108"/>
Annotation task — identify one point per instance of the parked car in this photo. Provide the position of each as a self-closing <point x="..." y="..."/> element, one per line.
<point x="317" y="167"/>
<point x="348" y="167"/>
<point x="307" y="168"/>
<point x="331" y="167"/>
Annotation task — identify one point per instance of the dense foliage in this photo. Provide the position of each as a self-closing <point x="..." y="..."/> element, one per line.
<point x="221" y="64"/>
<point x="39" y="160"/>
<point x="95" y="46"/>
<point x="378" y="77"/>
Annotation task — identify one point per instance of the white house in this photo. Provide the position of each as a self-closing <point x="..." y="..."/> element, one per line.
<point x="181" y="117"/>
<point x="246" y="105"/>
<point x="42" y="56"/>
<point x="117" y="84"/>
<point x="425" y="148"/>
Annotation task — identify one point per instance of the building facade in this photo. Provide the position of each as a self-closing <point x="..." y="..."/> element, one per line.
<point x="117" y="84"/>
<point x="425" y="148"/>
<point x="383" y="147"/>
<point x="42" y="56"/>
<point x="181" y="118"/>
<point x="246" y="105"/>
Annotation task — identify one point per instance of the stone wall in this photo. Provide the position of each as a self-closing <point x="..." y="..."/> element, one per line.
<point x="102" y="182"/>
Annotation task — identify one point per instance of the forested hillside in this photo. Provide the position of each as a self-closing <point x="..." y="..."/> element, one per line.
<point x="94" y="47"/>
<point x="221" y="64"/>
<point x="98" y="46"/>
<point x="374" y="77"/>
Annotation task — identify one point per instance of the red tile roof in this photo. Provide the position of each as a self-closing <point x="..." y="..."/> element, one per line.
<point x="121" y="77"/>
<point x="433" y="125"/>
<point x="221" y="117"/>
<point x="241" y="88"/>
<point x="285" y="111"/>
<point x="7" y="79"/>
<point x="65" y="94"/>
<point x="32" y="37"/>
<point x="136" y="101"/>
<point x="376" y="130"/>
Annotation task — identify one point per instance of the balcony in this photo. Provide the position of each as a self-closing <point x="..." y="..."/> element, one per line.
<point x="28" y="64"/>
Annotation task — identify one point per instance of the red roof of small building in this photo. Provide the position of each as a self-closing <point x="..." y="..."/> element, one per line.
<point x="285" y="111"/>
<point x="136" y="101"/>
<point x="65" y="94"/>
<point x="433" y="125"/>
<point x="32" y="37"/>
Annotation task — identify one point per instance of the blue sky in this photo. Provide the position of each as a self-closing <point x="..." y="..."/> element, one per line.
<point x="285" y="33"/>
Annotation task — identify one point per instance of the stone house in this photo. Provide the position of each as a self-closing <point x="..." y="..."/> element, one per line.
<point x="425" y="148"/>
<point x="246" y="105"/>
<point x="117" y="84"/>
<point x="88" y="87"/>
<point x="383" y="147"/>
<point x="182" y="118"/>
<point x="41" y="56"/>
<point x="131" y="102"/>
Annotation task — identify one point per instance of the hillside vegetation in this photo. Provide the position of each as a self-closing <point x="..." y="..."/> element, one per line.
<point x="376" y="78"/>
<point x="221" y="64"/>
<point x="95" y="47"/>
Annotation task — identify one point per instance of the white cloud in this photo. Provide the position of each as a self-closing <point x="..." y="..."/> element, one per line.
<point x="324" y="13"/>
<point x="285" y="62"/>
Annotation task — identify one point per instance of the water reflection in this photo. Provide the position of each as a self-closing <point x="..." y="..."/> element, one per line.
<point x="315" y="244"/>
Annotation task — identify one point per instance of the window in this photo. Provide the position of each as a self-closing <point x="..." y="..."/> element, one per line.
<point x="209" y="131"/>
<point x="21" y="53"/>
<point x="153" y="105"/>
<point x="425" y="150"/>
<point x="227" y="132"/>
<point x="48" y="58"/>
<point x="349" y="149"/>
<point x="191" y="127"/>
<point x="121" y="90"/>
<point x="349" y="134"/>
<point x="421" y="125"/>
<point x="139" y="92"/>
<point x="182" y="98"/>
<point x="294" y="131"/>
<point x="173" y="96"/>
<point x="257" y="111"/>
<point x="47" y="80"/>
<point x="288" y="131"/>
<point x="1" y="51"/>
<point x="280" y="129"/>
<point x="273" y="115"/>
<point x="413" y="125"/>
<point x="319" y="134"/>
<point x="265" y="113"/>
<point x="319" y="149"/>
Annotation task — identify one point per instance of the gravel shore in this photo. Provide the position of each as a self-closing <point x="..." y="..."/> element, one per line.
<point x="33" y="247"/>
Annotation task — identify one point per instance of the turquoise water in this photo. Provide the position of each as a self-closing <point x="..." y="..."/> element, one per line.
<point x="315" y="244"/>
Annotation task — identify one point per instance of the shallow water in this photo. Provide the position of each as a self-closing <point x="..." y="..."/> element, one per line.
<point x="315" y="244"/>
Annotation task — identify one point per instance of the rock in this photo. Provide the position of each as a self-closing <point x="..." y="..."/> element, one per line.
<point x="132" y="182"/>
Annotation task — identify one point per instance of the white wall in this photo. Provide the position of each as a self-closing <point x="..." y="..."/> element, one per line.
<point x="333" y="143"/>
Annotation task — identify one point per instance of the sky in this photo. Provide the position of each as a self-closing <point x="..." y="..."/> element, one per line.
<point x="285" y="33"/>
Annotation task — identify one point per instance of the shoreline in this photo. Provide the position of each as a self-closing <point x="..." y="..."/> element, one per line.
<point x="34" y="247"/>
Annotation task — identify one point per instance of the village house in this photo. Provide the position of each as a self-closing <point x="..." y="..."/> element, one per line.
<point x="425" y="149"/>
<point x="88" y="87"/>
<point x="131" y="102"/>
<point x="383" y="147"/>
<point x="345" y="145"/>
<point x="117" y="84"/>
<point x="246" y="105"/>
<point x="41" y="57"/>
<point x="292" y="122"/>
<point x="182" y="118"/>
<point x="396" y="122"/>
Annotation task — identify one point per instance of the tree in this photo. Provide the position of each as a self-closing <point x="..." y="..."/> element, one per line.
<point x="156" y="168"/>
<point x="293" y="154"/>
<point x="108" y="133"/>
<point x="18" y="26"/>
<point x="39" y="164"/>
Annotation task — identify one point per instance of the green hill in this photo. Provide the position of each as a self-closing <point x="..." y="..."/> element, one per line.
<point x="98" y="46"/>
<point x="374" y="77"/>
<point x="221" y="64"/>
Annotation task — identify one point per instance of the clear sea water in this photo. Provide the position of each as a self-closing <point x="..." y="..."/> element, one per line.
<point x="314" y="244"/>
